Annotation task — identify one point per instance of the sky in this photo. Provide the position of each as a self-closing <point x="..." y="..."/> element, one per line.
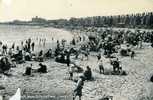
<point x="56" y="9"/>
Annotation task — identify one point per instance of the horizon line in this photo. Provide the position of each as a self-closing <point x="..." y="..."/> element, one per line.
<point x="67" y="18"/>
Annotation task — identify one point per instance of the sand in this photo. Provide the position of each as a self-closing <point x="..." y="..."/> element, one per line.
<point x="134" y="86"/>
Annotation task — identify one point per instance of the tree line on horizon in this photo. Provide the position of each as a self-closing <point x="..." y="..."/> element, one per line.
<point x="138" y="20"/>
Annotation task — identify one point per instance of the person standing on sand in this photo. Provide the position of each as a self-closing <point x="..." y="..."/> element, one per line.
<point x="71" y="71"/>
<point x="79" y="87"/>
<point x="101" y="67"/>
<point x="10" y="52"/>
<point x="58" y="44"/>
<point x="87" y="52"/>
<point x="4" y="47"/>
<point x="29" y="44"/>
<point x="40" y="42"/>
<point x="13" y="46"/>
<point x="68" y="59"/>
<point x="84" y="38"/>
<point x="99" y="56"/>
<point x="132" y="54"/>
<point x="73" y="42"/>
<point x="44" y="42"/>
<point x="22" y="45"/>
<point x="1" y="43"/>
<point x="33" y="46"/>
<point x="80" y="38"/>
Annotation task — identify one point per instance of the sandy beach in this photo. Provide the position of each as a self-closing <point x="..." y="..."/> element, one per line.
<point x="134" y="86"/>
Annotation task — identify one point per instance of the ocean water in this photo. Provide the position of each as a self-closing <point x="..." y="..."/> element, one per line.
<point x="10" y="34"/>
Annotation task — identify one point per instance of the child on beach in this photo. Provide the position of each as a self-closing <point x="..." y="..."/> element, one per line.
<point x="79" y="87"/>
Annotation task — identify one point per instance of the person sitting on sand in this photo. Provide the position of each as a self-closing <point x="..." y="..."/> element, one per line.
<point x="18" y="57"/>
<point x="88" y="73"/>
<point x="17" y="48"/>
<point x="28" y="71"/>
<point x="27" y="56"/>
<point x="40" y="56"/>
<point x="42" y="69"/>
<point x="79" y="87"/>
<point x="49" y="53"/>
<point x="25" y="48"/>
<point x="116" y="65"/>
<point x="5" y="65"/>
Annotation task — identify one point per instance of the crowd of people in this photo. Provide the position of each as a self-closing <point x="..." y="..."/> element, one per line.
<point x="19" y="53"/>
<point x="105" y="43"/>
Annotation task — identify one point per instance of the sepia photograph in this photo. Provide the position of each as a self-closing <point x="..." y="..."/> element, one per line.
<point x="76" y="49"/>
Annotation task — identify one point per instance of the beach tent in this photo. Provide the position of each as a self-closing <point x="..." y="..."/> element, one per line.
<point x="17" y="95"/>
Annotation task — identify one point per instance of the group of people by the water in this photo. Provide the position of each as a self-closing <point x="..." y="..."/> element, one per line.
<point x="42" y="41"/>
<point x="106" y="43"/>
